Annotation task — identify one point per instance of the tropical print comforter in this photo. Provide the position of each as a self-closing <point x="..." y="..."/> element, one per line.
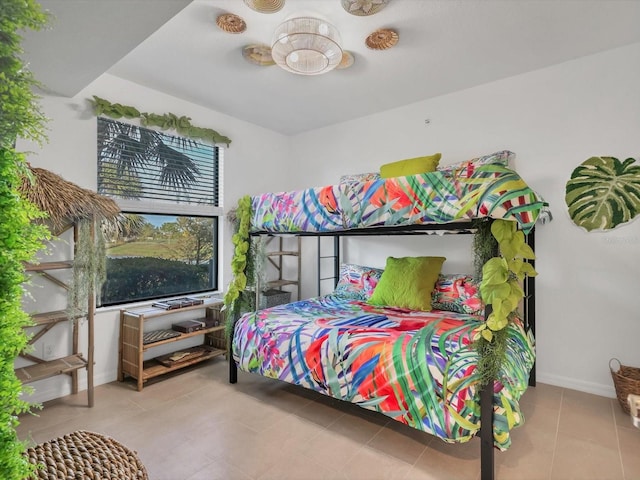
<point x="419" y="368"/>
<point x="436" y="197"/>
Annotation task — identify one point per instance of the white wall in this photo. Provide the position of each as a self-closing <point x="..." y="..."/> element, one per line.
<point x="252" y="164"/>
<point x="554" y="119"/>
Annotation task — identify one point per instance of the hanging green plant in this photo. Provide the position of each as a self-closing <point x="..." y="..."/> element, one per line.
<point x="168" y="121"/>
<point x="484" y="246"/>
<point x="240" y="242"/>
<point x="603" y="192"/>
<point x="501" y="288"/>
<point x="89" y="269"/>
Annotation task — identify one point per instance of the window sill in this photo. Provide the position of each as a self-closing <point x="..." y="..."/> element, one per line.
<point x="117" y="308"/>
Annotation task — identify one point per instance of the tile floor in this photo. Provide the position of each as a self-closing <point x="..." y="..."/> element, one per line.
<point x="196" y="426"/>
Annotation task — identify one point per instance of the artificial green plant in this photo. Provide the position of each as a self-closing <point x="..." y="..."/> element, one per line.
<point x="240" y="241"/>
<point x="484" y="245"/>
<point x="166" y="121"/>
<point x="89" y="269"/>
<point x="501" y="288"/>
<point x="20" y="238"/>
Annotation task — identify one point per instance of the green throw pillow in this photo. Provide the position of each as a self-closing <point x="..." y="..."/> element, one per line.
<point x="408" y="282"/>
<point x="411" y="166"/>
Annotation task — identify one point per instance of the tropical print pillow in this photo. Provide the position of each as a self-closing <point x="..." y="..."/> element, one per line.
<point x="458" y="292"/>
<point x="466" y="168"/>
<point x="357" y="281"/>
<point x="359" y="177"/>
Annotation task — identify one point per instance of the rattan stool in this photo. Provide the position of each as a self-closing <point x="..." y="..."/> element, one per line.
<point x="86" y="455"/>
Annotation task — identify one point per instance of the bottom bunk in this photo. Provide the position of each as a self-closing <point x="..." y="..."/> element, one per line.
<point x="417" y="367"/>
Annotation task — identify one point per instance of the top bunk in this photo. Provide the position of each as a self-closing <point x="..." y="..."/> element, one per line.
<point x="448" y="198"/>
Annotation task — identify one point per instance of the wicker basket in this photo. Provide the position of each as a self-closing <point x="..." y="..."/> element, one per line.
<point x="86" y="455"/>
<point x="273" y="297"/>
<point x="626" y="380"/>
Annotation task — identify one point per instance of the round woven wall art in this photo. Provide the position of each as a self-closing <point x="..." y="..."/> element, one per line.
<point x="347" y="60"/>
<point x="231" y="23"/>
<point x="382" y="39"/>
<point x="364" y="7"/>
<point x="265" y="6"/>
<point x="258" y="55"/>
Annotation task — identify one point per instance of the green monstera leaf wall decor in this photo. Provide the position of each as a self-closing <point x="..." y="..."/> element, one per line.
<point x="604" y="192"/>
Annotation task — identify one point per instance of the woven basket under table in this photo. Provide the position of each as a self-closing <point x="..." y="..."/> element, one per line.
<point x="86" y="455"/>
<point x="626" y="380"/>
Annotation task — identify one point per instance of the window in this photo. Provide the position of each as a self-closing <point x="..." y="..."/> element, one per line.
<point x="166" y="241"/>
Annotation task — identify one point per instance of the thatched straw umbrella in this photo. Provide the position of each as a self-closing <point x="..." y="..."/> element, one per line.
<point x="65" y="202"/>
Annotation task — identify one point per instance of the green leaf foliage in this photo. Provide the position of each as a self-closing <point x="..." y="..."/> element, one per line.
<point x="485" y="246"/>
<point x="495" y="272"/>
<point x="20" y="116"/>
<point x="503" y="231"/>
<point x="240" y="240"/>
<point x="168" y="121"/>
<point x="501" y="291"/>
<point x="20" y="239"/>
<point x="19" y="113"/>
<point x="140" y="278"/>
<point x="603" y="193"/>
<point x="491" y="350"/>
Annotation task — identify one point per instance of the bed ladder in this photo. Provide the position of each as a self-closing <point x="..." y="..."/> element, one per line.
<point x="530" y="300"/>
<point x="336" y="262"/>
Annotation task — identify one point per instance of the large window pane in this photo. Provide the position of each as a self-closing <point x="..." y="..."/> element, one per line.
<point x="155" y="256"/>
<point x="170" y="187"/>
<point x="143" y="164"/>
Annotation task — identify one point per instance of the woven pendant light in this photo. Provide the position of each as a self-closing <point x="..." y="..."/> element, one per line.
<point x="265" y="6"/>
<point x="306" y="46"/>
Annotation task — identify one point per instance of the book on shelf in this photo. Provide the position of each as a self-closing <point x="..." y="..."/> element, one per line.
<point x="178" y="303"/>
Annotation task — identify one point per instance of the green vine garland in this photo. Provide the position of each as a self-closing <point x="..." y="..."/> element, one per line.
<point x="182" y="125"/>
<point x="240" y="241"/>
<point x="500" y="288"/>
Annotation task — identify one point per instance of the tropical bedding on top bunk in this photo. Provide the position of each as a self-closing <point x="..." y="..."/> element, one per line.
<point x="481" y="187"/>
<point x="417" y="367"/>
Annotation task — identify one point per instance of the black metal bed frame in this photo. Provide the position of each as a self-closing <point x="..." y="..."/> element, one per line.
<point x="487" y="459"/>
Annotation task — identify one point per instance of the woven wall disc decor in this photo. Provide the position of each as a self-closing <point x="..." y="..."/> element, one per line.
<point x="347" y="60"/>
<point x="258" y="55"/>
<point x="382" y="39"/>
<point x="364" y="7"/>
<point x="265" y="6"/>
<point x="231" y="23"/>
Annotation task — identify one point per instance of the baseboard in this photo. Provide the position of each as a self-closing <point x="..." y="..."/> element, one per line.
<point x="61" y="389"/>
<point x="573" y="384"/>
<point x="57" y="387"/>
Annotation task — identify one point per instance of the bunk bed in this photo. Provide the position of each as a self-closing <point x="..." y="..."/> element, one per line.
<point x="417" y="366"/>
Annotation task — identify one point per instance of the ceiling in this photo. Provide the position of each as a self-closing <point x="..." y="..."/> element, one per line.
<point x="174" y="46"/>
